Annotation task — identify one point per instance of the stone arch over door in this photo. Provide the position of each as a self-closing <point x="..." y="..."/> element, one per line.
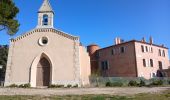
<point x="41" y="62"/>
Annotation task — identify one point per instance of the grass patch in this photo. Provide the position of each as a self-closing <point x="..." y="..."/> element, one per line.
<point x="161" y="96"/>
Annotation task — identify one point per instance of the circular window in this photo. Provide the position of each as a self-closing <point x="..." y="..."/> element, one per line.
<point x="43" y="41"/>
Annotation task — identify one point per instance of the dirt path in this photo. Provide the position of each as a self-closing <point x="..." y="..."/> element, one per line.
<point x="81" y="91"/>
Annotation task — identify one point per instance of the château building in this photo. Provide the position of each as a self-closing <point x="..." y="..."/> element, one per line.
<point x="130" y="59"/>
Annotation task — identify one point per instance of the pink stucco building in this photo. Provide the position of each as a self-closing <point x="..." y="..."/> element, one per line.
<point x="129" y="59"/>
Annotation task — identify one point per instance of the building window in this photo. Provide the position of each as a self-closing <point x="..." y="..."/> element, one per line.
<point x="146" y="49"/>
<point x="43" y="41"/>
<point x="105" y="65"/>
<point x="151" y="50"/>
<point x="151" y="62"/>
<point x="98" y="54"/>
<point x="159" y="52"/>
<point x="160" y="65"/>
<point x="122" y="49"/>
<point x="153" y="75"/>
<point x="113" y="52"/>
<point x="45" y="19"/>
<point x="142" y="47"/>
<point x="163" y="53"/>
<point x="144" y="62"/>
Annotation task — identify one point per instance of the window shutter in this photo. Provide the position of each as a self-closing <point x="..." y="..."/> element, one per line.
<point x="147" y="63"/>
<point x="144" y="49"/>
<point x="108" y="64"/>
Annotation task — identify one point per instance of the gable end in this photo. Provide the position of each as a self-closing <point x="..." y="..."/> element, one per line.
<point x="45" y="30"/>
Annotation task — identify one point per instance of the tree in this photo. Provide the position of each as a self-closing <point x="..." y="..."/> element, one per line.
<point x="3" y="60"/>
<point x="8" y="12"/>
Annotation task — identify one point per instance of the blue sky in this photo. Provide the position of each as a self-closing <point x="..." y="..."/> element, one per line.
<point x="100" y="21"/>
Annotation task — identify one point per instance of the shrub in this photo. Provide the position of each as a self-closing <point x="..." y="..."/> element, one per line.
<point x="69" y="86"/>
<point x="60" y="86"/>
<point x="114" y="84"/>
<point x="13" y="86"/>
<point x="132" y="83"/>
<point x="108" y="84"/>
<point x="142" y="83"/>
<point x="56" y="86"/>
<point x="157" y="82"/>
<point x="52" y="86"/>
<point x="25" y="86"/>
<point x="117" y="84"/>
<point x="75" y="86"/>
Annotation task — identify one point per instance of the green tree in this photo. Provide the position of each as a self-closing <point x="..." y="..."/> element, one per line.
<point x="8" y="12"/>
<point x="3" y="60"/>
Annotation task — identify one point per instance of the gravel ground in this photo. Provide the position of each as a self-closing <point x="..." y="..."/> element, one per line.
<point x="82" y="91"/>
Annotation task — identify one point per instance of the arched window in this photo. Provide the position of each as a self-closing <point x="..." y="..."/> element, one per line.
<point x="45" y="19"/>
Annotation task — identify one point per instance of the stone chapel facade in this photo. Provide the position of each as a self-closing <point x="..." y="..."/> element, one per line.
<point x="45" y="56"/>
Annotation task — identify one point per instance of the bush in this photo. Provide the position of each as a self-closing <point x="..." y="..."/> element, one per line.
<point x="75" y="86"/>
<point x="157" y="82"/>
<point x="132" y="83"/>
<point x="13" y="86"/>
<point x="25" y="86"/>
<point x="114" y="84"/>
<point x="142" y="83"/>
<point x="69" y="86"/>
<point x="52" y="86"/>
<point x="108" y="84"/>
<point x="117" y="84"/>
<point x="56" y="86"/>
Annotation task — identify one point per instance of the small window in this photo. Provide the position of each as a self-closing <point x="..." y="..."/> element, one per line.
<point x="159" y="52"/>
<point x="142" y="47"/>
<point x="98" y="54"/>
<point x="122" y="49"/>
<point x="153" y="75"/>
<point x="146" y="49"/>
<point x="105" y="65"/>
<point x="151" y="50"/>
<point x="113" y="51"/>
<point x="163" y="53"/>
<point x="160" y="65"/>
<point x="151" y="62"/>
<point x="144" y="62"/>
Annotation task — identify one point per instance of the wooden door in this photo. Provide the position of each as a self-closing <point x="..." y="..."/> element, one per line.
<point x="43" y="72"/>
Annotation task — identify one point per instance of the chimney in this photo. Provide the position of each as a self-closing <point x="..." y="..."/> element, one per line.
<point x="119" y="40"/>
<point x="151" y="40"/>
<point x="163" y="45"/>
<point x="143" y="39"/>
<point x="116" y="41"/>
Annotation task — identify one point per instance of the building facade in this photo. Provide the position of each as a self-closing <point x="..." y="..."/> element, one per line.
<point x="130" y="59"/>
<point x="45" y="56"/>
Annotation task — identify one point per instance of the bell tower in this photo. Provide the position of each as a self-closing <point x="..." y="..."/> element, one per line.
<point x="45" y="15"/>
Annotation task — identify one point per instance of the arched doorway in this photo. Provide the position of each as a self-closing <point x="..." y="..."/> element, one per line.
<point x="43" y="72"/>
